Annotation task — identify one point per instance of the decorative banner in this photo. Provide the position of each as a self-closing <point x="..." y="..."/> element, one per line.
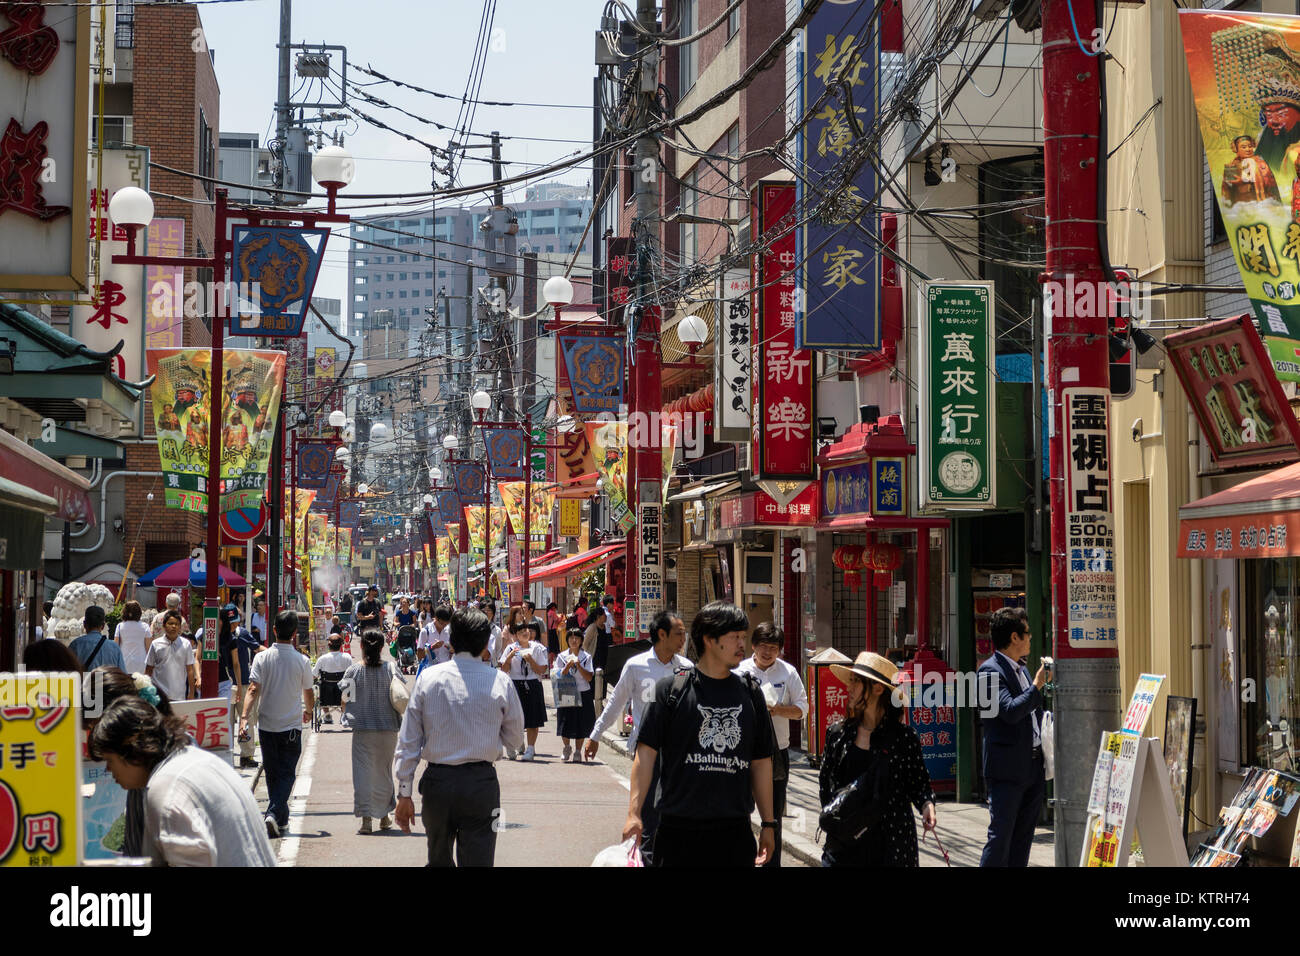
<point x="449" y="506"/>
<point x="345" y="546"/>
<point x="283" y="262"/>
<point x="325" y="362"/>
<point x="44" y="142"/>
<point x="539" y="519"/>
<point x="444" y="557"/>
<point x="316" y="536"/>
<point x="958" y="414"/>
<point x="840" y="308"/>
<point x="781" y="425"/>
<point x="1089" y="520"/>
<point x="570" y="517"/>
<point x="595" y="367"/>
<point x="114" y="321"/>
<point x="474" y="515"/>
<point x="164" y="318"/>
<point x="609" y="446"/>
<point x="350" y="514"/>
<point x="470" y="479"/>
<point x="541" y="456"/>
<point x="621" y="256"/>
<point x="453" y="539"/>
<point x="40" y="790"/>
<point x="1231" y="385"/>
<point x="733" y="377"/>
<point x="1245" y="76"/>
<point x="333" y="485"/>
<point x="314" y="461"/>
<point x="506" y="449"/>
<point x="179" y="396"/>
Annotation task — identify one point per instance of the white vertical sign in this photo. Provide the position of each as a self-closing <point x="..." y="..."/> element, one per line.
<point x="650" y="556"/>
<point x="732" y="359"/>
<point x="1089" y="519"/>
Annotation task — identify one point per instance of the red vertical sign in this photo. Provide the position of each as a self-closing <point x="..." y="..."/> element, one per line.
<point x="782" y="414"/>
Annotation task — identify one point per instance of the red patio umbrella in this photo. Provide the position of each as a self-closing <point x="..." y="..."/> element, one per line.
<point x="188" y="573"/>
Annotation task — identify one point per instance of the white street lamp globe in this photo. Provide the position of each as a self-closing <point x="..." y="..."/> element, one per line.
<point x="337" y="419"/>
<point x="333" y="166"/>
<point x="692" y="330"/>
<point x="131" y="206"/>
<point x="343" y="454"/>
<point x="435" y="474"/>
<point x="557" y="291"/>
<point x="428" y="499"/>
<point x="450" y="442"/>
<point x="379" y="431"/>
<point x="480" y="401"/>
<point x="363" y="489"/>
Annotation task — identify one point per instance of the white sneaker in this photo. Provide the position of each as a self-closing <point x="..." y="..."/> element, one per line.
<point x="528" y="754"/>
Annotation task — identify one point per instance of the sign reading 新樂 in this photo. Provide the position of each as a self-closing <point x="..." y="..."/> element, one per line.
<point x="1089" y="519"/>
<point x="958" y="412"/>
<point x="732" y="368"/>
<point x="781" y="424"/>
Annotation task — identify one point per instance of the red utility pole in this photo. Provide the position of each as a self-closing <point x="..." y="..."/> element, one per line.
<point x="1078" y="381"/>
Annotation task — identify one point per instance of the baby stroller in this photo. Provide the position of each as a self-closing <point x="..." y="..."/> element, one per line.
<point x="407" y="635"/>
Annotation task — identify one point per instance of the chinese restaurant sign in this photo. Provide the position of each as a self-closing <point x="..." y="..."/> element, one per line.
<point x="570" y="518"/>
<point x="782" y="416"/>
<point x="45" y="56"/>
<point x="1089" y="520"/>
<point x="760" y="508"/>
<point x="1245" y="79"/>
<point x="732" y="359"/>
<point x="618" y="278"/>
<point x="840" y="309"/>
<point x="958" y="410"/>
<point x="282" y="264"/>
<point x="1238" y="400"/>
<point x="40" y="788"/>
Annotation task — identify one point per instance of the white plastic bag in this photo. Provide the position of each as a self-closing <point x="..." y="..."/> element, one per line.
<point x="627" y="853"/>
<point x="1047" y="738"/>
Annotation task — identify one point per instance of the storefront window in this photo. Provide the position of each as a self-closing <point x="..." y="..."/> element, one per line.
<point x="1270" y="659"/>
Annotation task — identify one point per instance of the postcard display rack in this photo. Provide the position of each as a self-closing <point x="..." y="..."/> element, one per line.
<point x="1264" y="797"/>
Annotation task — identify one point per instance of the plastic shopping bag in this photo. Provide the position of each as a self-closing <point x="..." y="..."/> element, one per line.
<point x="627" y="853"/>
<point x="1047" y="738"/>
<point x="565" y="689"/>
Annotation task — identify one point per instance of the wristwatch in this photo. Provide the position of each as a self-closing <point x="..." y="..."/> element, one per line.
<point x="769" y="824"/>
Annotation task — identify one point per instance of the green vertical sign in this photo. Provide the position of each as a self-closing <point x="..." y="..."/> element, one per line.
<point x="958" y="411"/>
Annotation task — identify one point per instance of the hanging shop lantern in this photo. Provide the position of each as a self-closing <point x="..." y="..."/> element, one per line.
<point x="851" y="559"/>
<point x="884" y="559"/>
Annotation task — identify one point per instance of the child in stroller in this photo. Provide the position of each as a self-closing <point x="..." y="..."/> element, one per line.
<point x="407" y="635"/>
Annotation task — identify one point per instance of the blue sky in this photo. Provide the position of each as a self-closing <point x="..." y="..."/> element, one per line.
<point x="541" y="51"/>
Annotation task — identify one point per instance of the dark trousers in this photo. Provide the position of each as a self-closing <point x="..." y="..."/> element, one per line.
<point x="280" y="753"/>
<point x="780" y="778"/>
<point x="705" y="843"/>
<point x="460" y="808"/>
<point x="1013" y="811"/>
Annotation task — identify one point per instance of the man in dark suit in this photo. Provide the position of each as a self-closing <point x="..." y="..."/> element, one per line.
<point x="1013" y="753"/>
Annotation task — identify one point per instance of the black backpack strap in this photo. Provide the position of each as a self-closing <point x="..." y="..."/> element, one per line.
<point x="678" y="689"/>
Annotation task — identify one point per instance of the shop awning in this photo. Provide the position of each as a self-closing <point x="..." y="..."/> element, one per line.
<point x="22" y="517"/>
<point x="577" y="563"/>
<point x="718" y="487"/>
<point x="539" y="562"/>
<point x="866" y="522"/>
<point x="28" y="467"/>
<point x="1259" y="518"/>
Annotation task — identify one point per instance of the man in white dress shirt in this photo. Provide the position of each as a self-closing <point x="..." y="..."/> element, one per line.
<point x="636" y="685"/>
<point x="459" y="716"/>
<point x="787" y="700"/>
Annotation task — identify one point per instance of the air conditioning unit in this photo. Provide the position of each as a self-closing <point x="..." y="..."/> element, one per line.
<point x="758" y="572"/>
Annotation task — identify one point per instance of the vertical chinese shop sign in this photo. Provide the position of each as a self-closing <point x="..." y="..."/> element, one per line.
<point x="1089" y="520"/>
<point x="958" y="408"/>
<point x="782" y="415"/>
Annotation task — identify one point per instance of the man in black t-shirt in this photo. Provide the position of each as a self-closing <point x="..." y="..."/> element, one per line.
<point x="368" y="610"/>
<point x="713" y="736"/>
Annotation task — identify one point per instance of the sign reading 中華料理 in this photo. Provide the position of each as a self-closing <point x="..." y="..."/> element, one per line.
<point x="732" y="358"/>
<point x="958" y="415"/>
<point x="1089" y="520"/>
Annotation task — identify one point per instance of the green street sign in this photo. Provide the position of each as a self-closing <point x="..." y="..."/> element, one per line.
<point x="958" y="408"/>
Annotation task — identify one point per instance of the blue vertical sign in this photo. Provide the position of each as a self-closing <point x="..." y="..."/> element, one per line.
<point x="839" y="308"/>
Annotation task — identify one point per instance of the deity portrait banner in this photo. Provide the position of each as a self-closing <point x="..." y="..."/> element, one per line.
<point x="274" y="270"/>
<point x="506" y="448"/>
<point x="314" y="461"/>
<point x="595" y="368"/>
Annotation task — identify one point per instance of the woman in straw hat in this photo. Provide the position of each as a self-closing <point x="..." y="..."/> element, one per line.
<point x="873" y="742"/>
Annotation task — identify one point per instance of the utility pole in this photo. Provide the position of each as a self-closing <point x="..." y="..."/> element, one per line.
<point x="1078" y="381"/>
<point x="644" y="460"/>
<point x="283" y="115"/>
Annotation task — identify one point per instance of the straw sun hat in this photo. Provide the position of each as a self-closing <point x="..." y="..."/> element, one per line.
<point x="870" y="667"/>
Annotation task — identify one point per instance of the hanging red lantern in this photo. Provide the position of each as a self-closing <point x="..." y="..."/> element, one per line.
<point x="851" y="559"/>
<point x="884" y="559"/>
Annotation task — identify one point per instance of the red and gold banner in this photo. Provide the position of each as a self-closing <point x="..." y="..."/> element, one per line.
<point x="539" y="517"/>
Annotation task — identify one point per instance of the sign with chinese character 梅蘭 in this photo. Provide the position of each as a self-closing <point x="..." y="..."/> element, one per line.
<point x="842" y="281"/>
<point x="1089" y="520"/>
<point x="40" y="781"/>
<point x="732" y="383"/>
<point x="1232" y="387"/>
<point x="781" y="419"/>
<point x="114" y="319"/>
<point x="1245" y="78"/>
<point x="274" y="269"/>
<point x="45" y="86"/>
<point x="650" y="557"/>
<point x="889" y="486"/>
<point x="958" y="411"/>
<point x="594" y="364"/>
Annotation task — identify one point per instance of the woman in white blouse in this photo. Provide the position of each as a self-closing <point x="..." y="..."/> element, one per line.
<point x="198" y="811"/>
<point x="134" y="637"/>
<point x="525" y="662"/>
<point x="575" y="722"/>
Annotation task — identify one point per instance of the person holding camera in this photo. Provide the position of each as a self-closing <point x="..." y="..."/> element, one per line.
<point x="1013" y="750"/>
